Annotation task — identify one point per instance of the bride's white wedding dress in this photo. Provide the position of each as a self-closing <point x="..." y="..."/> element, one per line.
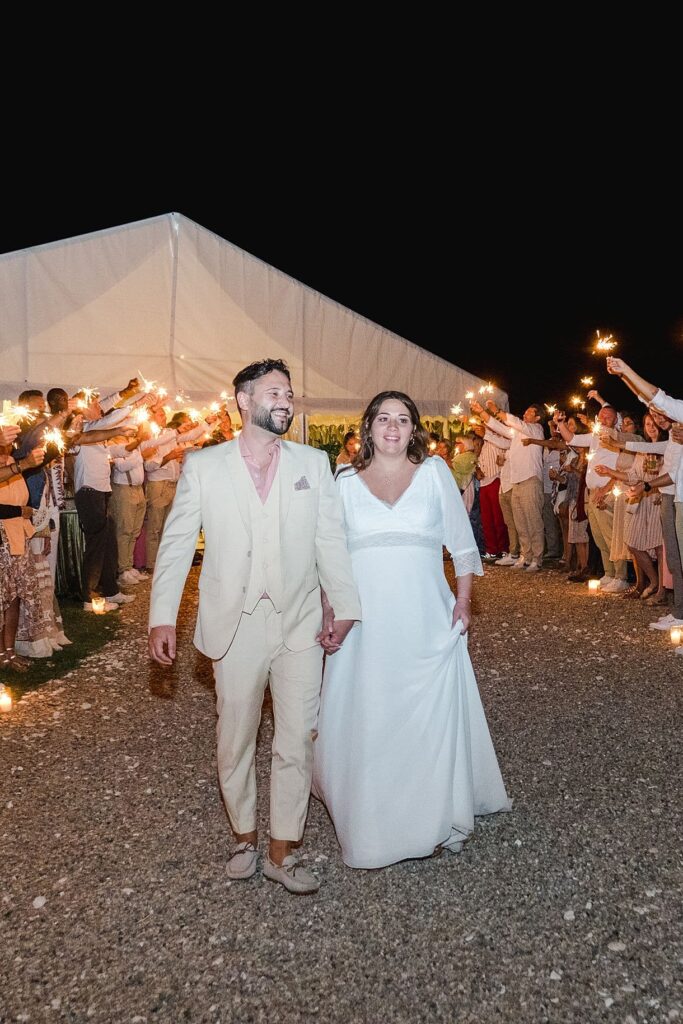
<point x="404" y="760"/>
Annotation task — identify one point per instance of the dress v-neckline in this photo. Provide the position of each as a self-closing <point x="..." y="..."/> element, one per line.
<point x="401" y="495"/>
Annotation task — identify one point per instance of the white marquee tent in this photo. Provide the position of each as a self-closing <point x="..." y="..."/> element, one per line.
<point x="188" y="309"/>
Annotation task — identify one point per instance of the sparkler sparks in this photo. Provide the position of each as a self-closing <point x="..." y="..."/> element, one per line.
<point x="469" y="396"/>
<point x="55" y="437"/>
<point x="551" y="409"/>
<point x="604" y="344"/>
<point x="456" y="410"/>
<point x="587" y="382"/>
<point x="576" y="401"/>
<point x="12" y="415"/>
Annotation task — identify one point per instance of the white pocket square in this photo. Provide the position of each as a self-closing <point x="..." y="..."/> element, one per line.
<point x="302" y="485"/>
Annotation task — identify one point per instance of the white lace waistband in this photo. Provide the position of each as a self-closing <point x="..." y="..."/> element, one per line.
<point x="393" y="539"/>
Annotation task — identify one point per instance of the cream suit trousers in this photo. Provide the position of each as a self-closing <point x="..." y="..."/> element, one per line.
<point x="256" y="656"/>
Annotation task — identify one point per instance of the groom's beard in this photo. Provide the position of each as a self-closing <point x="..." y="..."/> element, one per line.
<point x="262" y="417"/>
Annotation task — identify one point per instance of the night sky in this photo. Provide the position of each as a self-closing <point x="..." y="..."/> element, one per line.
<point x="509" y="282"/>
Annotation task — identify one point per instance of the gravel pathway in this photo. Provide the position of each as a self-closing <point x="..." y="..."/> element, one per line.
<point x="116" y="907"/>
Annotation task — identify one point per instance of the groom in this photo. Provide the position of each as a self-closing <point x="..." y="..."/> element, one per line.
<point x="273" y="535"/>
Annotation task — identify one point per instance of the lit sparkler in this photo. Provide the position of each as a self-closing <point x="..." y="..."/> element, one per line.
<point x="456" y="410"/>
<point x="576" y="401"/>
<point x="469" y="396"/>
<point x="604" y="344"/>
<point x="214" y="407"/>
<point x="616" y="490"/>
<point x="55" y="437"/>
<point x="13" y="414"/>
<point x="147" y="385"/>
<point x="194" y="415"/>
<point x="551" y="409"/>
<point x="155" y="429"/>
<point x="596" y="428"/>
<point x="587" y="382"/>
<point x="141" y="415"/>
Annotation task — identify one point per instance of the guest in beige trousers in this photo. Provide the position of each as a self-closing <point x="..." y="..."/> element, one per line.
<point x="274" y="535"/>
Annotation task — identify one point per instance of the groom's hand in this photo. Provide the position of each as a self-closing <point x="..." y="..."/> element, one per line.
<point x="162" y="644"/>
<point x="340" y="630"/>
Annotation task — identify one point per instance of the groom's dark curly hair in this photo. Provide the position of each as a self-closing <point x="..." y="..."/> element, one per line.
<point x="244" y="381"/>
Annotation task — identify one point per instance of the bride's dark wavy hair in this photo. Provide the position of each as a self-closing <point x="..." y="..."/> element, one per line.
<point x="417" y="448"/>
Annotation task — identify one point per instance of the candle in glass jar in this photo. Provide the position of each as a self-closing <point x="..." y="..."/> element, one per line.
<point x="98" y="605"/>
<point x="594" y="586"/>
<point x="676" y="635"/>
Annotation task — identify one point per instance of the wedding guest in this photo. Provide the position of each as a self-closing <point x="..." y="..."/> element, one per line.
<point x="162" y="472"/>
<point x="92" y="486"/>
<point x="128" y="503"/>
<point x="662" y="405"/>
<point x="643" y="526"/>
<point x="349" y="448"/>
<point x="491" y="459"/>
<point x="18" y="583"/>
<point x="526" y="474"/>
<point x="600" y="498"/>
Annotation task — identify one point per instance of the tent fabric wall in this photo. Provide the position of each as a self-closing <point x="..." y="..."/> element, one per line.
<point x="188" y="309"/>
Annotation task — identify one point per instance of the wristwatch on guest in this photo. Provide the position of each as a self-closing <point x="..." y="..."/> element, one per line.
<point x="646" y="486"/>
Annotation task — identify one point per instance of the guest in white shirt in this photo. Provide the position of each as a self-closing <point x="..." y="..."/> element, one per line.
<point x="162" y="472"/>
<point x="600" y="499"/>
<point x="526" y="475"/>
<point x="92" y="486"/>
<point x="661" y="404"/>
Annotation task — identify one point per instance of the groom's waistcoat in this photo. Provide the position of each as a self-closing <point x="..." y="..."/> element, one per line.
<point x="266" y="574"/>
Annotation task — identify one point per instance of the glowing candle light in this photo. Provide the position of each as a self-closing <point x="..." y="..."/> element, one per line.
<point x="98" y="604"/>
<point x="594" y="586"/>
<point x="5" y="699"/>
<point x="676" y="634"/>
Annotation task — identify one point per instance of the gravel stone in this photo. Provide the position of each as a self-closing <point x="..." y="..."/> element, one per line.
<point x="115" y="906"/>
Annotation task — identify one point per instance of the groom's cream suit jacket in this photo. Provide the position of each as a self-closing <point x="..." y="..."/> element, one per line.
<point x="216" y="493"/>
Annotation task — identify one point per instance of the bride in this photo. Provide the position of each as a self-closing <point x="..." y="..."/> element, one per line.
<point x="403" y="760"/>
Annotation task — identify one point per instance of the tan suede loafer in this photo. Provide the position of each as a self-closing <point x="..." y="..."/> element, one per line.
<point x="292" y="875"/>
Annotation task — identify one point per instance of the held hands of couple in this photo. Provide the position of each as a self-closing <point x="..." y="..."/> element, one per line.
<point x="162" y="644"/>
<point x="333" y="633"/>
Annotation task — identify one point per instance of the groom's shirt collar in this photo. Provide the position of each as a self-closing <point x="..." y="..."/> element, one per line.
<point x="263" y="478"/>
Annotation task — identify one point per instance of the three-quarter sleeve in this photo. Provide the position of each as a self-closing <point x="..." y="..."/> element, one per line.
<point x="457" y="531"/>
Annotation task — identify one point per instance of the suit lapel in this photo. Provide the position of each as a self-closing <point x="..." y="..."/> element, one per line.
<point x="286" y="474"/>
<point x="239" y="480"/>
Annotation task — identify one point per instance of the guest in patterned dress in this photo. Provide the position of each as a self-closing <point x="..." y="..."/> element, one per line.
<point x="642" y="522"/>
